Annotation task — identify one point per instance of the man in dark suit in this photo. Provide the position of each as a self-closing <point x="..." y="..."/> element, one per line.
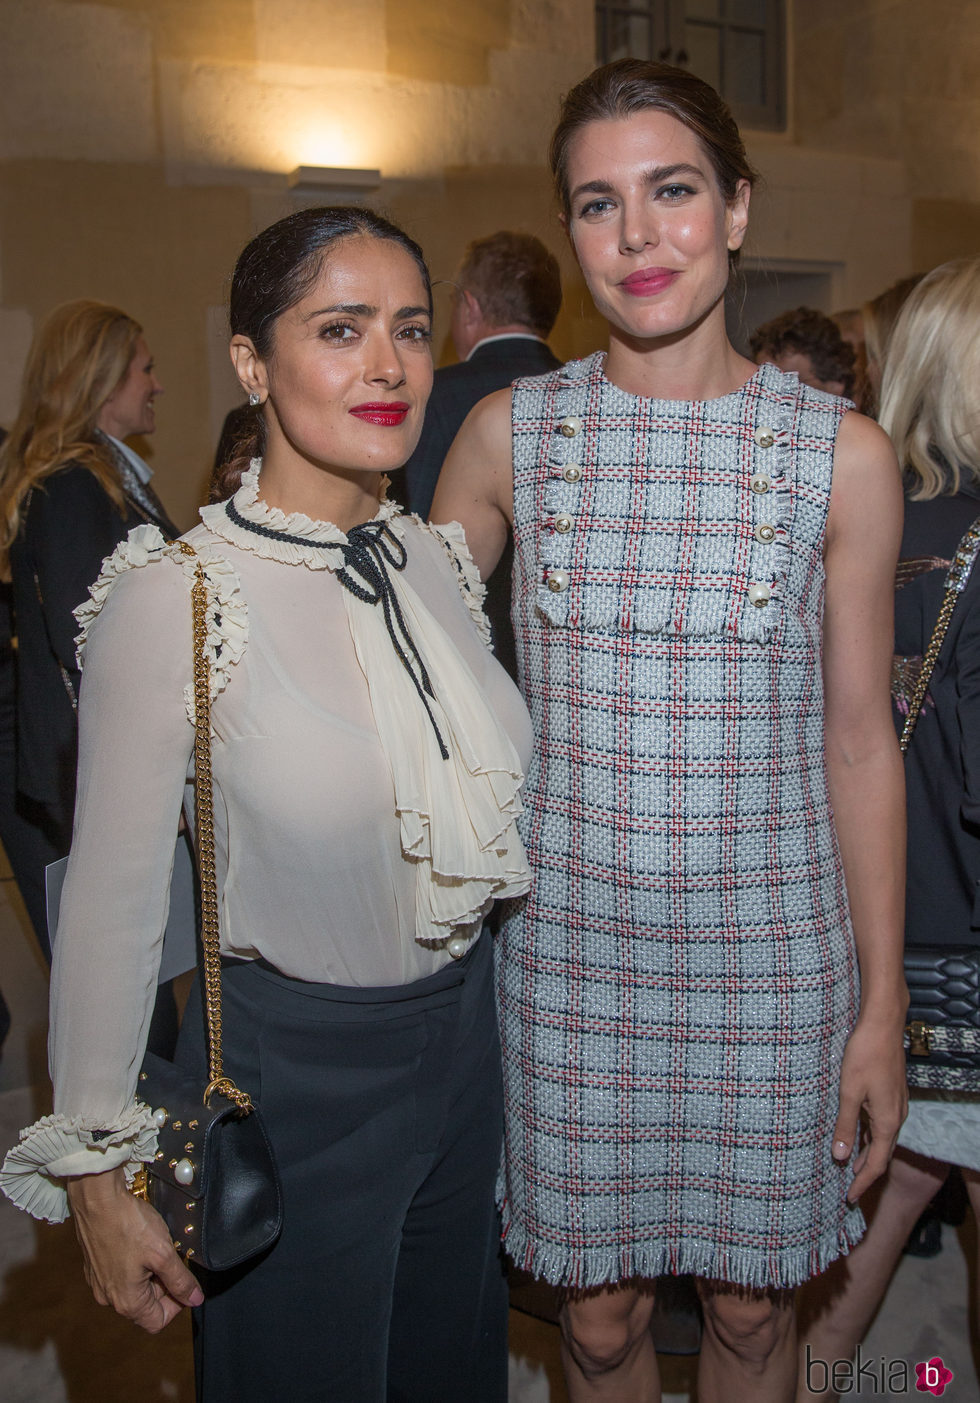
<point x="508" y="292"/>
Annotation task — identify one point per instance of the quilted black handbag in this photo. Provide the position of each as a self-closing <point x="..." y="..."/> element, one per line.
<point x="214" y="1180"/>
<point x="943" y="1030"/>
<point x="942" y="1035"/>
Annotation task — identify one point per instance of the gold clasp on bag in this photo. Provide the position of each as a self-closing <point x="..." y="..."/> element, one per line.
<point x="140" y="1187"/>
<point x="920" y="1038"/>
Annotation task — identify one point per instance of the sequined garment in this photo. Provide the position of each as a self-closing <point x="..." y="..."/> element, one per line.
<point x="676" y="993"/>
<point x="906" y="670"/>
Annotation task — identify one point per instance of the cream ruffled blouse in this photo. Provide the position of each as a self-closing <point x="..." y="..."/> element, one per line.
<point x="362" y="825"/>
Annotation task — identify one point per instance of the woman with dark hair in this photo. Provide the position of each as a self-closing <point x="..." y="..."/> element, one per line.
<point x="367" y="763"/>
<point x="70" y="491"/>
<point x="807" y="341"/>
<point x="703" y="560"/>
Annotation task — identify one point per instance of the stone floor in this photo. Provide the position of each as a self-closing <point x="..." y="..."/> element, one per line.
<point x="57" y="1346"/>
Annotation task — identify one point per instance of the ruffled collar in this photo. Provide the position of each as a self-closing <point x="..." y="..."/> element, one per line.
<point x="289" y="537"/>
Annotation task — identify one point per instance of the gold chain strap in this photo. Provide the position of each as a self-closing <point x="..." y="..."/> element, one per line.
<point x="956" y="578"/>
<point x="204" y="811"/>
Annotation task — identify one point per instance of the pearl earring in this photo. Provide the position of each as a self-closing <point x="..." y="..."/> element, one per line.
<point x="254" y="398"/>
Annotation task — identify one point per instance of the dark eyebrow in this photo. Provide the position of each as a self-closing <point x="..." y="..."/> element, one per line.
<point x="353" y="309"/>
<point x="652" y="177"/>
<point x="361" y="309"/>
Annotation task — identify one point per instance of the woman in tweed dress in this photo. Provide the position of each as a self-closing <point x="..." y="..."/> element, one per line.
<point x="704" y="554"/>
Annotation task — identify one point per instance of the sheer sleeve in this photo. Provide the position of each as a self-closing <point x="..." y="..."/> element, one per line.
<point x="135" y="744"/>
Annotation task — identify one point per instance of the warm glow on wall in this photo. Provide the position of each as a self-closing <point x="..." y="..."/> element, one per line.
<point x="324" y="141"/>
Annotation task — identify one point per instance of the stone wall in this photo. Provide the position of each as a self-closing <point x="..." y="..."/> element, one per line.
<point x="142" y="142"/>
<point x="899" y="78"/>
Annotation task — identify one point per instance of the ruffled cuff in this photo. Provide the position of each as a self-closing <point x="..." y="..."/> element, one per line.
<point x="452" y="536"/>
<point x="59" y="1147"/>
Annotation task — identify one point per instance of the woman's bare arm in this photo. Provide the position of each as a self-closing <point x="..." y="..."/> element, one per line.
<point x="866" y="780"/>
<point x="476" y="485"/>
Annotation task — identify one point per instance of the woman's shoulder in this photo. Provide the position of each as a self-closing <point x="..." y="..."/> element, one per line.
<point x="150" y="582"/>
<point x="935" y="525"/>
<point x="72" y="489"/>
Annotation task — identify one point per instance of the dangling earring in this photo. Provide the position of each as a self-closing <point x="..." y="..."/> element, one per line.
<point x="254" y="398"/>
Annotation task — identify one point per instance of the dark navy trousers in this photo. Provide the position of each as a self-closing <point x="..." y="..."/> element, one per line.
<point x="384" y="1108"/>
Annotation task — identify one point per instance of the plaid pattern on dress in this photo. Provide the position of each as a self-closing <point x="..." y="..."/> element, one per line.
<point x="676" y="992"/>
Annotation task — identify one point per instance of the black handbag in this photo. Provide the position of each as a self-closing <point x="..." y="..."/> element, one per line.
<point x="214" y="1179"/>
<point x="942" y="1035"/>
<point x="943" y="1030"/>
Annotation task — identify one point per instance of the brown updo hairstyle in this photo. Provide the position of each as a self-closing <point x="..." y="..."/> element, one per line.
<point x="274" y="272"/>
<point x="631" y="85"/>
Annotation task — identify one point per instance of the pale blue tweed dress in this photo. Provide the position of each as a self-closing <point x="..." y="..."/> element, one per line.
<point x="676" y="993"/>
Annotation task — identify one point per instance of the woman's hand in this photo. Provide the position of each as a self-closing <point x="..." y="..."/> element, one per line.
<point x="872" y="1079"/>
<point x="130" y="1261"/>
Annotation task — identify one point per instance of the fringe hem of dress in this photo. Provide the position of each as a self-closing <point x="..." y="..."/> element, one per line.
<point x="782" y="1270"/>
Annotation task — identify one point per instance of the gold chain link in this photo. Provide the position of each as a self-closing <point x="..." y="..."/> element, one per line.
<point x="958" y="574"/>
<point x="204" y="811"/>
<point x="925" y="671"/>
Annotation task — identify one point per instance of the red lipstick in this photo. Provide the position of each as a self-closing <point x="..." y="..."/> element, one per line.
<point x="387" y="414"/>
<point x="647" y="282"/>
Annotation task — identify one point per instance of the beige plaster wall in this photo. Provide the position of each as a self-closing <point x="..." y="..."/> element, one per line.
<point x="850" y="213"/>
<point x="143" y="141"/>
<point x="899" y="79"/>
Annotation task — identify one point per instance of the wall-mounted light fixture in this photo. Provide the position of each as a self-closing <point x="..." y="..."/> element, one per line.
<point x="321" y="180"/>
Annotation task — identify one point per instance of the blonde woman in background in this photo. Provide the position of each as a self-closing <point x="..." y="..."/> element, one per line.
<point x="70" y="491"/>
<point x="878" y="318"/>
<point x="930" y="406"/>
